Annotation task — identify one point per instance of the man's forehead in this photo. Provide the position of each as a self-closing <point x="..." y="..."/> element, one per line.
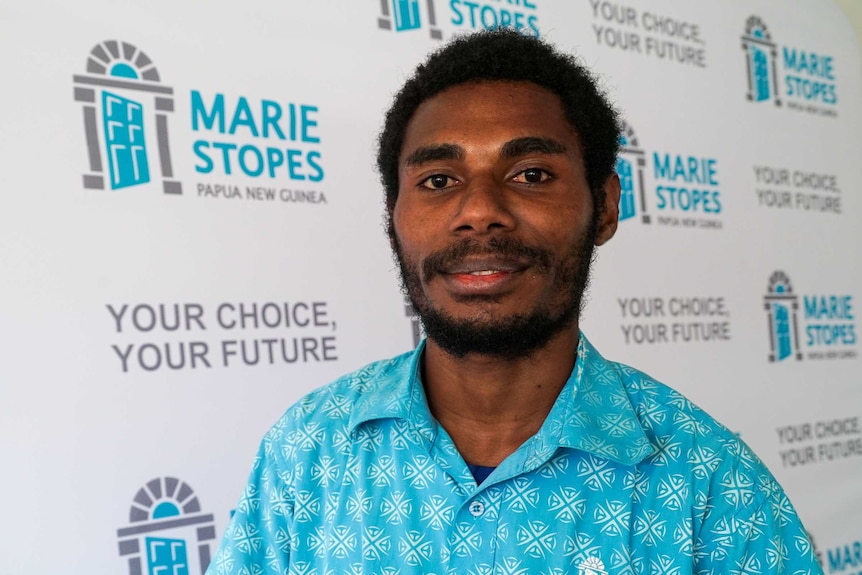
<point x="514" y="117"/>
<point x="513" y="148"/>
<point x="492" y="90"/>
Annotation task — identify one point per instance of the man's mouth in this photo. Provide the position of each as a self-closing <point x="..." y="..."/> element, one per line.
<point x="484" y="267"/>
<point x="482" y="275"/>
<point x="499" y="258"/>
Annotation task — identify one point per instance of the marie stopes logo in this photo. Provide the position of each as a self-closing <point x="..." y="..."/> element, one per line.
<point x="808" y="326"/>
<point x="785" y="75"/>
<point x="667" y="188"/>
<point x="167" y="531"/>
<point x="124" y="105"/>
<point x="414" y="15"/>
<point x="247" y="147"/>
<point x="630" y="168"/>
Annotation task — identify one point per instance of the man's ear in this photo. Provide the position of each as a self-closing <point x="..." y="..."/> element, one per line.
<point x="611" y="215"/>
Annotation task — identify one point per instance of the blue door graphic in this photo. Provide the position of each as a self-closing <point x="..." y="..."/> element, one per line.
<point x="406" y="14"/>
<point x="627" y="189"/>
<point x="167" y="556"/>
<point x="760" y="71"/>
<point x="124" y="140"/>
<point x="781" y="322"/>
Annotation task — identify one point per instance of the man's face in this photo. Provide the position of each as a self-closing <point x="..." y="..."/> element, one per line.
<point x="494" y="224"/>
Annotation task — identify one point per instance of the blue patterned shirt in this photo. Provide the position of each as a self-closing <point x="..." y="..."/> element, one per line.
<point x="625" y="476"/>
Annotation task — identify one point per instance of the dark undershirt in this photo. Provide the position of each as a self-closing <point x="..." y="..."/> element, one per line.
<point x="480" y="472"/>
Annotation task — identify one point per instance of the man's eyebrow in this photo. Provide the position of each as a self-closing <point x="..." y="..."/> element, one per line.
<point x="433" y="153"/>
<point x="531" y="145"/>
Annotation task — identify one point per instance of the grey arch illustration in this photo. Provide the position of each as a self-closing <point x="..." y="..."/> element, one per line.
<point x="631" y="180"/>
<point x="782" y="306"/>
<point x="118" y="76"/>
<point x="761" y="54"/>
<point x="162" y="512"/>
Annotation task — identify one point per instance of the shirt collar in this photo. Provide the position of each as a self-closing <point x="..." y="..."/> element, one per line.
<point x="593" y="412"/>
<point x="396" y="393"/>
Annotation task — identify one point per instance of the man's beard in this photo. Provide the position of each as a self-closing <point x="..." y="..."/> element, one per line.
<point x="509" y="337"/>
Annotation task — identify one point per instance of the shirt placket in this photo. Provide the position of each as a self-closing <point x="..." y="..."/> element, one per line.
<point x="482" y="525"/>
<point x="474" y="539"/>
<point x="471" y="537"/>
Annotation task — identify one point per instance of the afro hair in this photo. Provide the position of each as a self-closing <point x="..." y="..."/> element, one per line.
<point x="507" y="55"/>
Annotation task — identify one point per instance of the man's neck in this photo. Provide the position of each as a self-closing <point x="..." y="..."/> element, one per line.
<point x="490" y="406"/>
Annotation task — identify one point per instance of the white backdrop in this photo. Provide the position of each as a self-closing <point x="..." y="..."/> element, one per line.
<point x="147" y="335"/>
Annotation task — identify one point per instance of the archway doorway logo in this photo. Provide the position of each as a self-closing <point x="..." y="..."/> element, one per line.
<point x="124" y="104"/>
<point x="167" y="531"/>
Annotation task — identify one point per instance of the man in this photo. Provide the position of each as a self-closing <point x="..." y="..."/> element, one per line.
<point x="505" y="443"/>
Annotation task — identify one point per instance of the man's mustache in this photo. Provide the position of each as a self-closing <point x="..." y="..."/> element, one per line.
<point x="504" y="249"/>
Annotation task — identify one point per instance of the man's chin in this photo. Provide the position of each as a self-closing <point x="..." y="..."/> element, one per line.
<point x="494" y="334"/>
<point x="483" y="310"/>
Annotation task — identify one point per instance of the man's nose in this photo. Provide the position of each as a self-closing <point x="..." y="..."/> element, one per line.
<point x="482" y="206"/>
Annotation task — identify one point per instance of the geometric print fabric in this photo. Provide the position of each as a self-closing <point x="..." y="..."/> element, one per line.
<point x="625" y="476"/>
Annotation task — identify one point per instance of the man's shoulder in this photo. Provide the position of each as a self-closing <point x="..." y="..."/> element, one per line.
<point x="337" y="404"/>
<point x="655" y="403"/>
<point x="661" y="408"/>
<point x="680" y="429"/>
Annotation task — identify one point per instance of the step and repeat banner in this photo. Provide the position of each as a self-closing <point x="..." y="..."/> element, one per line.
<point x="192" y="239"/>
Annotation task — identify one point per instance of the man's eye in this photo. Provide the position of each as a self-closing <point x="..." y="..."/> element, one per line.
<point x="532" y="176"/>
<point x="437" y="182"/>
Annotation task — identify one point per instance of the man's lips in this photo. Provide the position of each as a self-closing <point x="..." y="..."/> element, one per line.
<point x="484" y="267"/>
<point x="482" y="275"/>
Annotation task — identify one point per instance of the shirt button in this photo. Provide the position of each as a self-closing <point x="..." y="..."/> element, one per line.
<point x="476" y="508"/>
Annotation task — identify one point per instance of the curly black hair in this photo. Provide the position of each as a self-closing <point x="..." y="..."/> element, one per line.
<point x="505" y="54"/>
